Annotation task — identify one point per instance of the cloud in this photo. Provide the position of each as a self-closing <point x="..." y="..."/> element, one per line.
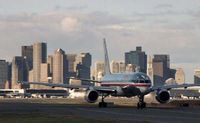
<point x="119" y="27"/>
<point x="72" y="8"/>
<point x="70" y="24"/>
<point x="164" y="6"/>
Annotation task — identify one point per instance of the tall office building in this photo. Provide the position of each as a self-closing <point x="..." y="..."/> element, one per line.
<point x="71" y="58"/>
<point x="118" y="67"/>
<point x="99" y="70"/>
<point x="19" y="71"/>
<point x="8" y="84"/>
<point x="99" y="67"/>
<point x="114" y="67"/>
<point x="158" y="77"/>
<point x="130" y="68"/>
<point x="3" y="73"/>
<point x="27" y="53"/>
<point x="150" y="68"/>
<point x="60" y="67"/>
<point x="161" y="69"/>
<point x="180" y="76"/>
<point x="85" y="59"/>
<point x="122" y="67"/>
<point x="172" y="73"/>
<point x="44" y="72"/>
<point x="50" y="65"/>
<point x="197" y="76"/>
<point x="137" y="58"/>
<point x="39" y="57"/>
<point x="30" y="76"/>
<point x="82" y="65"/>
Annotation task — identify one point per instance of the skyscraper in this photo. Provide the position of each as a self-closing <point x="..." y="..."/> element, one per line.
<point x="99" y="70"/>
<point x="137" y="58"/>
<point x="60" y="67"/>
<point x="3" y="73"/>
<point x="172" y="73"/>
<point x="39" y="57"/>
<point x="50" y="65"/>
<point x="117" y="66"/>
<point x="197" y="76"/>
<point x="114" y="67"/>
<point x="44" y="72"/>
<point x="161" y="69"/>
<point x="27" y="53"/>
<point x="8" y="84"/>
<point x="150" y="68"/>
<point x="122" y="67"/>
<point x="180" y="76"/>
<point x="83" y="64"/>
<point x="71" y="58"/>
<point x="19" y="71"/>
<point x="130" y="68"/>
<point x="30" y="77"/>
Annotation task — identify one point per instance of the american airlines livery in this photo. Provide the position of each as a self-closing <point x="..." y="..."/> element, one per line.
<point x="120" y="85"/>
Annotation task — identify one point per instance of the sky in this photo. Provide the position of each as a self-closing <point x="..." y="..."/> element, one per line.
<point x="159" y="26"/>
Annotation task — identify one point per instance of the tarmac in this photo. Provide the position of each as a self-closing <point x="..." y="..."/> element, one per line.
<point x="117" y="113"/>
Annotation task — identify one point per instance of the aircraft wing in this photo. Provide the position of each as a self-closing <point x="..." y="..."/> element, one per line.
<point x="55" y="85"/>
<point x="89" y="80"/>
<point x="107" y="90"/>
<point x="168" y="87"/>
<point x="101" y="89"/>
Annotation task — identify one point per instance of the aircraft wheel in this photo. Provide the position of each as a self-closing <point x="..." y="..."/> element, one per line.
<point x="141" y="105"/>
<point x="102" y="105"/>
<point x="138" y="105"/>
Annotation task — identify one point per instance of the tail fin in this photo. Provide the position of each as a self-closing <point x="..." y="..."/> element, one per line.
<point x="106" y="60"/>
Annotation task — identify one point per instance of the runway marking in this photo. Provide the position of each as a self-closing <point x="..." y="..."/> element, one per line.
<point x="140" y="115"/>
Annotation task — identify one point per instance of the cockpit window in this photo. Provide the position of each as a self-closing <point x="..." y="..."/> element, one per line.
<point x="142" y="81"/>
<point x="148" y="81"/>
<point x="140" y="78"/>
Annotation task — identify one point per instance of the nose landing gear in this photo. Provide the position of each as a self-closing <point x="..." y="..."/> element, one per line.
<point x="141" y="104"/>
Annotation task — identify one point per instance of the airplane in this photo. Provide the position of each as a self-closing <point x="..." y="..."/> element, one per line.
<point x="120" y="85"/>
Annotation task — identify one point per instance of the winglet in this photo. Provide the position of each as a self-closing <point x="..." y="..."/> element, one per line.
<point x="106" y="60"/>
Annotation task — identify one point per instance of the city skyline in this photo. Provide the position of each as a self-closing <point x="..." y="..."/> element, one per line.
<point x="79" y="59"/>
<point x="125" y="24"/>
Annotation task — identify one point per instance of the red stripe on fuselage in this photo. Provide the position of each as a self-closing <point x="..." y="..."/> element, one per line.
<point x="126" y="84"/>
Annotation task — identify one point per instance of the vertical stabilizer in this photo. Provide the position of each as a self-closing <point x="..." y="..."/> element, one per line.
<point x="106" y="59"/>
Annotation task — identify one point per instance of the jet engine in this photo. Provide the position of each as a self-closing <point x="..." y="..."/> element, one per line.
<point x="91" y="96"/>
<point x="162" y="96"/>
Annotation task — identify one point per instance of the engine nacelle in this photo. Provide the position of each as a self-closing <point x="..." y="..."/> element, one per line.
<point x="162" y="96"/>
<point x="91" y="96"/>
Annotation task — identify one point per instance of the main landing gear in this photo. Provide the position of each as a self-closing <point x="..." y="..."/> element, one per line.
<point x="102" y="104"/>
<point x="141" y="104"/>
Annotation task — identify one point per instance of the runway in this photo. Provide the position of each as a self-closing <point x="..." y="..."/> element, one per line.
<point x="118" y="114"/>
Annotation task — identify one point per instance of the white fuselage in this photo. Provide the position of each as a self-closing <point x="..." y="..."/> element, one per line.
<point x="131" y="83"/>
